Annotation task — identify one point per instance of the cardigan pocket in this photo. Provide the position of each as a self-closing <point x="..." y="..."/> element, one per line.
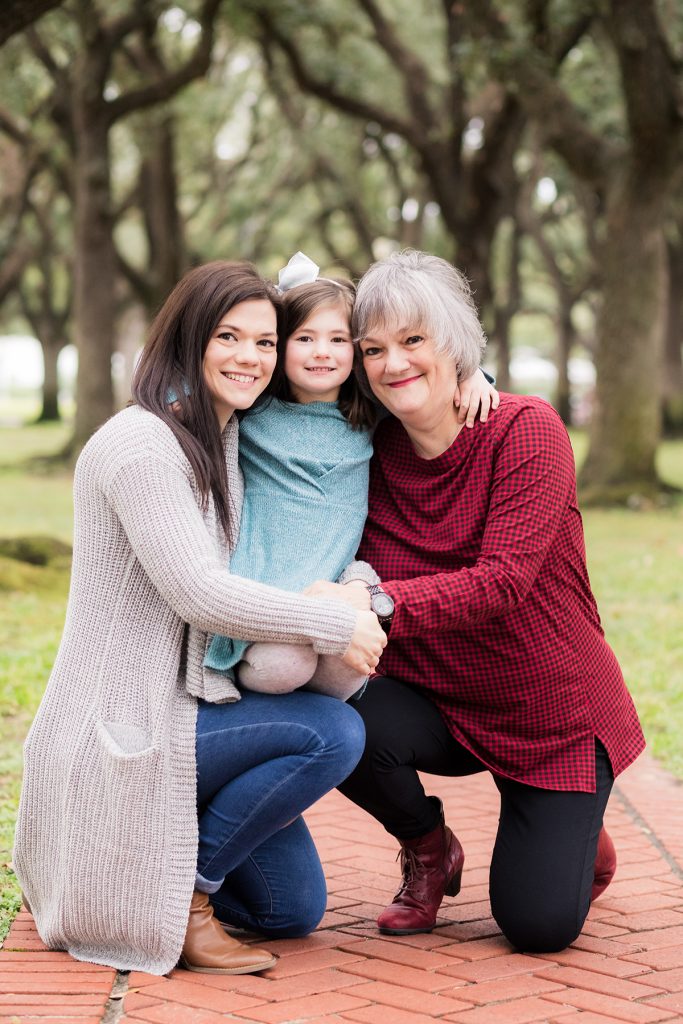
<point x="115" y="860"/>
<point x="127" y="749"/>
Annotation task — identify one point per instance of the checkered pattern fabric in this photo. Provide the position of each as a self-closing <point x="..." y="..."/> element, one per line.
<point x="482" y="550"/>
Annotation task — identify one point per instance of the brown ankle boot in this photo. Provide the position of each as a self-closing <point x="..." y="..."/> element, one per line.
<point x="209" y="950"/>
<point x="432" y="868"/>
<point x="605" y="864"/>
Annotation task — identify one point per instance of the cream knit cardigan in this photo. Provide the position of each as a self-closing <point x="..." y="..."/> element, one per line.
<point x="106" y="842"/>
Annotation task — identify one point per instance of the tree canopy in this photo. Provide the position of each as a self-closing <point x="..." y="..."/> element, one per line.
<point x="536" y="144"/>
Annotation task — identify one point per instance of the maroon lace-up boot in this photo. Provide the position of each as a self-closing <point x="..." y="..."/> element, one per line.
<point x="432" y="869"/>
<point x="605" y="864"/>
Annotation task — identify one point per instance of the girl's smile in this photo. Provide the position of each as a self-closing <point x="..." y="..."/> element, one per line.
<point x="319" y="356"/>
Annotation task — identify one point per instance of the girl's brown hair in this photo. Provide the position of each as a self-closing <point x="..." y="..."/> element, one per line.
<point x="169" y="377"/>
<point x="298" y="304"/>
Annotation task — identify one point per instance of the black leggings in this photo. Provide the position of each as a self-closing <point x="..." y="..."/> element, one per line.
<point x="544" y="855"/>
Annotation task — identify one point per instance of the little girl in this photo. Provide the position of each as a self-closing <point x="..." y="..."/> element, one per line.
<point x="304" y="454"/>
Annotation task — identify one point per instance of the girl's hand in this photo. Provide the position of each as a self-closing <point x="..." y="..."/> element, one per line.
<point x="354" y="593"/>
<point x="475" y="395"/>
<point x="367" y="643"/>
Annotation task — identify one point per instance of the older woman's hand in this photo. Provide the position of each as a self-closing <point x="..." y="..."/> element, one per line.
<point x="367" y="643"/>
<point x="475" y="395"/>
<point x="355" y="593"/>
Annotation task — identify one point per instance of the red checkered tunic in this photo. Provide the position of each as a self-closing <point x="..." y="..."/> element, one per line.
<point x="482" y="550"/>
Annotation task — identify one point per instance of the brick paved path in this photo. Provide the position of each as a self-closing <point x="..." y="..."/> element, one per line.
<point x="627" y="965"/>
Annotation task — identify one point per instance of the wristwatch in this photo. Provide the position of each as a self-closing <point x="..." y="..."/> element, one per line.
<point x="382" y="605"/>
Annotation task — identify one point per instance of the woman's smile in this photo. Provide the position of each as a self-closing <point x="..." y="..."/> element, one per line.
<point x="403" y="383"/>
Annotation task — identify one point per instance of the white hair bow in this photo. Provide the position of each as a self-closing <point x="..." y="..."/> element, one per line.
<point x="299" y="270"/>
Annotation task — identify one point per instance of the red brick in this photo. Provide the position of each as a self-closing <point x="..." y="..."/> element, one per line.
<point x="659" y="959"/>
<point x="11" y="1000"/>
<point x="622" y="988"/>
<point x="672" y="1001"/>
<point x="659" y="938"/>
<point x="383" y="949"/>
<point x="585" y="1017"/>
<point x="410" y="999"/>
<point x="33" y="963"/>
<point x="58" y="984"/>
<point x="478" y="949"/>
<point x="520" y="1011"/>
<point x="56" y="1009"/>
<point x="198" y="995"/>
<point x="494" y="967"/>
<point x="607" y="947"/>
<point x="379" y="1014"/>
<point x="670" y="981"/>
<point x="633" y="887"/>
<point x="44" y="955"/>
<point x="136" y="1001"/>
<point x="400" y="974"/>
<point x="304" y="963"/>
<point x="139" y="979"/>
<point x="297" y="1009"/>
<point x="645" y="901"/>
<point x="472" y="930"/>
<point x="648" y="920"/>
<point x="600" y="930"/>
<point x="622" y="1009"/>
<point x="428" y="940"/>
<point x="271" y="990"/>
<point x="520" y="986"/>
<point x="175" y="1013"/>
<point x="594" y="962"/>
<point x="41" y="1019"/>
<point x="316" y="941"/>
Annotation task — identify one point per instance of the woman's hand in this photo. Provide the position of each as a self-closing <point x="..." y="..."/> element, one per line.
<point x="355" y="593"/>
<point x="367" y="643"/>
<point x="475" y="395"/>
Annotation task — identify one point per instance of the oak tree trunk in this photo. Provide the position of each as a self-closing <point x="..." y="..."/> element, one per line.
<point x="565" y="340"/>
<point x="672" y="382"/>
<point x="51" y="347"/>
<point x="94" y="272"/>
<point x="626" y="423"/>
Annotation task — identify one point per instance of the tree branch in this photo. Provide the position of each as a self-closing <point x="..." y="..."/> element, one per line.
<point x="41" y="51"/>
<point x="527" y="74"/>
<point x="17" y="15"/>
<point x="652" y="90"/>
<point x="415" y="75"/>
<point x="167" y="86"/>
<point x="325" y="91"/>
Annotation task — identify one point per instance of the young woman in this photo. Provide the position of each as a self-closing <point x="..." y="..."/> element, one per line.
<point x="132" y="736"/>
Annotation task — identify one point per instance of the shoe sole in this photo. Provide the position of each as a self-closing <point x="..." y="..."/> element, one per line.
<point x="254" y="969"/>
<point x="406" y="931"/>
<point x="452" y="889"/>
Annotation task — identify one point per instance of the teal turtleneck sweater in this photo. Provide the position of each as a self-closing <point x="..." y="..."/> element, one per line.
<point x="305" y="502"/>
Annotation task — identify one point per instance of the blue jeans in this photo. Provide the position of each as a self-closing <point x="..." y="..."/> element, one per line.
<point x="260" y="763"/>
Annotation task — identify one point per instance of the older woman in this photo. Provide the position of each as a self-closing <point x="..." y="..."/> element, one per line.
<point x="496" y="658"/>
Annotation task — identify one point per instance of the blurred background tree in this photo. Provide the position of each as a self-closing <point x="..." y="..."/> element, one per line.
<point x="536" y="143"/>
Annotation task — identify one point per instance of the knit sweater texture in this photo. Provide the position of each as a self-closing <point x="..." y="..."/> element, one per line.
<point x="106" y="841"/>
<point x="305" y="475"/>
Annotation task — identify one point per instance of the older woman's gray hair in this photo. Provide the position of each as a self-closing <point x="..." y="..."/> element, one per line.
<point x="422" y="293"/>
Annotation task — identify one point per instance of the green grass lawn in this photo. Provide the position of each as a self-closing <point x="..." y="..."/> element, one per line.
<point x="635" y="561"/>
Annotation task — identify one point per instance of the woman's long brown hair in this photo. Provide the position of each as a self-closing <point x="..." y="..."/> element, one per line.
<point x="171" y="367"/>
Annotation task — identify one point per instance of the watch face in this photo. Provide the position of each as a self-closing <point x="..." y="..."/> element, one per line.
<point x="382" y="605"/>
